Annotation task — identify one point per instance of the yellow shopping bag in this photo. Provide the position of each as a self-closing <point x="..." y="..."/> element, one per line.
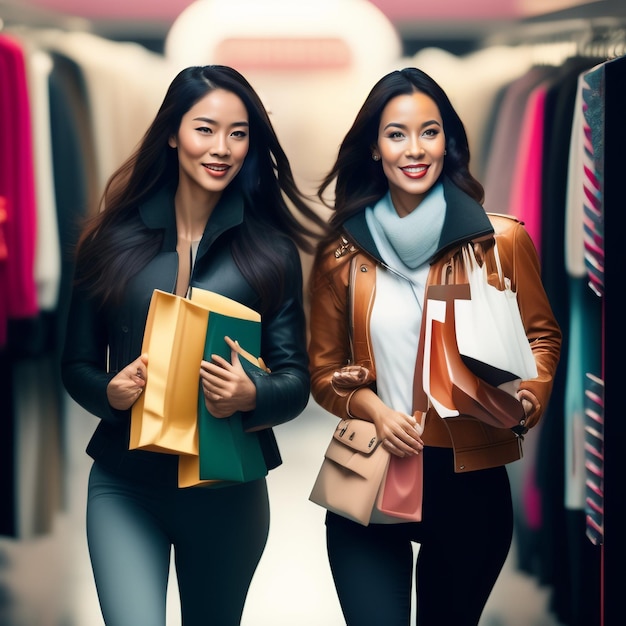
<point x="165" y="417"/>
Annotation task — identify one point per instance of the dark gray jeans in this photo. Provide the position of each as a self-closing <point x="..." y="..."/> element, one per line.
<point x="218" y="536"/>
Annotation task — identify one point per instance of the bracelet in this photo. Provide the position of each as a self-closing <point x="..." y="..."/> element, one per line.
<point x="348" y="402"/>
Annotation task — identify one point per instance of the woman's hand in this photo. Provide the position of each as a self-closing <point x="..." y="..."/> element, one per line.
<point x="399" y="432"/>
<point x="350" y="377"/>
<point x="530" y="405"/>
<point x="402" y="433"/>
<point x="126" y="386"/>
<point x="226" y="386"/>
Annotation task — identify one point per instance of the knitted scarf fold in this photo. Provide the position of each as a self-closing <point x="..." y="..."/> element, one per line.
<point x="415" y="237"/>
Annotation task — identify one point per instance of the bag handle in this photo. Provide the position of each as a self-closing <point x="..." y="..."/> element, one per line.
<point x="470" y="260"/>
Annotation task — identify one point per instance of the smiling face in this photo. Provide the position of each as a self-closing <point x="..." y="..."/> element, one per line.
<point x="212" y="142"/>
<point x="411" y="145"/>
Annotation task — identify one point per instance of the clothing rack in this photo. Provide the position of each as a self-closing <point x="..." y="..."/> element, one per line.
<point x="19" y="13"/>
<point x="597" y="30"/>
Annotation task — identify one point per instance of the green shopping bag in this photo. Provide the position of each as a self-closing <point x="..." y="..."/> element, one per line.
<point x="226" y="452"/>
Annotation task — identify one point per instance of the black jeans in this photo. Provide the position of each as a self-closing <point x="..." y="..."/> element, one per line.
<point x="464" y="536"/>
<point x="218" y="536"/>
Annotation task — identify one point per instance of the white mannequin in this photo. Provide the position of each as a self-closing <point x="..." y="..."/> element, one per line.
<point x="313" y="62"/>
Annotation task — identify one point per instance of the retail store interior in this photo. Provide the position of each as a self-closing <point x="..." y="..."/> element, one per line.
<point x="557" y="573"/>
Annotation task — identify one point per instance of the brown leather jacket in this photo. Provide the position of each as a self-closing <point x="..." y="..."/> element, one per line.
<point x="339" y="321"/>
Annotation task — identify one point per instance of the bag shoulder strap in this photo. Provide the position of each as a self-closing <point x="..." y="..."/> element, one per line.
<point x="507" y="227"/>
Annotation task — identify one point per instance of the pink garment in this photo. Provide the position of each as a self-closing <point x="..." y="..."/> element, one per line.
<point x="525" y="204"/>
<point x="4" y="253"/>
<point x="531" y="497"/>
<point x="17" y="186"/>
<point x="526" y="188"/>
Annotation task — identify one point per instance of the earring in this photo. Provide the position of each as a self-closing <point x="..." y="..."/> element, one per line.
<point x="445" y="152"/>
<point x="376" y="157"/>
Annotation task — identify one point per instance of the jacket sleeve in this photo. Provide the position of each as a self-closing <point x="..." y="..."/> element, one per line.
<point x="521" y="262"/>
<point x="329" y="343"/>
<point x="84" y="369"/>
<point x="283" y="393"/>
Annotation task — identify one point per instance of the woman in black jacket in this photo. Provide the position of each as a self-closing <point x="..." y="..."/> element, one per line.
<point x="201" y="203"/>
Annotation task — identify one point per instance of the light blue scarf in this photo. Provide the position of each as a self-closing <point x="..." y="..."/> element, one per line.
<point x="414" y="237"/>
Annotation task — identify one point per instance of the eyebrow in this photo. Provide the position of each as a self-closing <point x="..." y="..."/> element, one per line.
<point x="404" y="126"/>
<point x="208" y="120"/>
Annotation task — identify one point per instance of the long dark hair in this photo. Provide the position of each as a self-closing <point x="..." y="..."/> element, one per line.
<point x="360" y="181"/>
<point x="115" y="245"/>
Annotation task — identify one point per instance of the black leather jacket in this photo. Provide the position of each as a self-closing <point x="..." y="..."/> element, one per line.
<point x="118" y="332"/>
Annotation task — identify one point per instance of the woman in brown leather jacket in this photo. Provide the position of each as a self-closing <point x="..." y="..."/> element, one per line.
<point x="405" y="206"/>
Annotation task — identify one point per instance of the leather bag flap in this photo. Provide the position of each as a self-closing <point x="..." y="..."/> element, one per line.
<point x="360" y="435"/>
<point x="353" y="446"/>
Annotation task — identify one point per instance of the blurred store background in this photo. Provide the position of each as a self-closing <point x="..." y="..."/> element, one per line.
<point x="95" y="75"/>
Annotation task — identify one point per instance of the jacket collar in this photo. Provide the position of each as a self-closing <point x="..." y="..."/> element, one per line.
<point x="158" y="212"/>
<point x="465" y="220"/>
